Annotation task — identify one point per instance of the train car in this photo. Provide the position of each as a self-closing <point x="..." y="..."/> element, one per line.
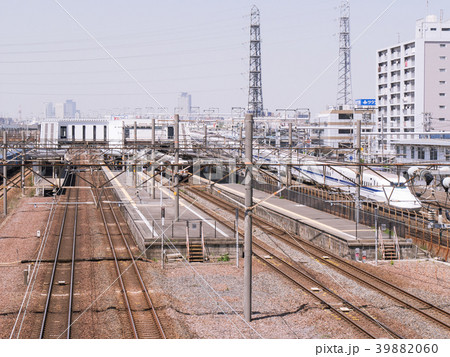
<point x="377" y="186"/>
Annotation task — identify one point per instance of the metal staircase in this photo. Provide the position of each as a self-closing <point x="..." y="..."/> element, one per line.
<point x="195" y="249"/>
<point x="390" y="249"/>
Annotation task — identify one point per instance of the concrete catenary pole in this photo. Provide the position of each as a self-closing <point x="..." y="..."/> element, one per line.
<point x="240" y="142"/>
<point x="135" y="155"/>
<point x="5" y="190"/>
<point x="152" y="172"/>
<point x="176" y="178"/>
<point x="22" y="171"/>
<point x="248" y="217"/>
<point x="288" y="168"/>
<point x="359" y="174"/>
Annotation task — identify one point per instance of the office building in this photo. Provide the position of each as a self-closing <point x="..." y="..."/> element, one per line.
<point x="413" y="86"/>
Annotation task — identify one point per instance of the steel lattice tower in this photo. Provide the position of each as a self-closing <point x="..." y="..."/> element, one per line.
<point x="344" y="96"/>
<point x="255" y="99"/>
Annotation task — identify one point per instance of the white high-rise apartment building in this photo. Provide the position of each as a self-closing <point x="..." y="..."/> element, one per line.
<point x="413" y="85"/>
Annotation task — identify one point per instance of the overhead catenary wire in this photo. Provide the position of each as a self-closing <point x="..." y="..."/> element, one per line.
<point x="315" y="80"/>
<point x="198" y="275"/>
<point x="110" y="55"/>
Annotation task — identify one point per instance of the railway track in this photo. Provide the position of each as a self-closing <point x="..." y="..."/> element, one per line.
<point x="358" y="318"/>
<point x="144" y="322"/>
<point x="393" y="292"/>
<point x="57" y="315"/>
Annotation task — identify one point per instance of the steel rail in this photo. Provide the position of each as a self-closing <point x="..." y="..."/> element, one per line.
<point x="119" y="273"/>
<point x="135" y="267"/>
<point x="291" y="265"/>
<point x="263" y="225"/>
<point x="52" y="278"/>
<point x="294" y="242"/>
<point x="72" y="271"/>
<point x="138" y="274"/>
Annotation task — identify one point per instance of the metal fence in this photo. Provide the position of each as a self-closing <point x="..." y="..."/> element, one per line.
<point x="408" y="224"/>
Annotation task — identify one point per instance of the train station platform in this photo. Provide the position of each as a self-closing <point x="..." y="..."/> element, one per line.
<point x="152" y="221"/>
<point x="340" y="235"/>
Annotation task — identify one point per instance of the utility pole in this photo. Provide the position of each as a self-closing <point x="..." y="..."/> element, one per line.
<point x="288" y="167"/>
<point x="135" y="155"/>
<point x="248" y="217"/>
<point x="359" y="174"/>
<point x="382" y="138"/>
<point x="22" y="171"/>
<point x="152" y="172"/>
<point x="176" y="177"/>
<point x="240" y="142"/>
<point x="5" y="173"/>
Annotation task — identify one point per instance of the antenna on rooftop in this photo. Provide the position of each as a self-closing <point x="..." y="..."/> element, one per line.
<point x="255" y="99"/>
<point x="344" y="96"/>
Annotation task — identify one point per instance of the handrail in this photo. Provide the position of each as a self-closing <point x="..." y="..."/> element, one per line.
<point x="397" y="246"/>
<point x="380" y="240"/>
<point x="203" y="240"/>
<point x="187" y="240"/>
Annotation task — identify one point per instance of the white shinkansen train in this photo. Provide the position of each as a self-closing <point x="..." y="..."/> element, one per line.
<point x="381" y="187"/>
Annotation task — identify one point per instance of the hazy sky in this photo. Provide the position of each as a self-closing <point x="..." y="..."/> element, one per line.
<point x="195" y="46"/>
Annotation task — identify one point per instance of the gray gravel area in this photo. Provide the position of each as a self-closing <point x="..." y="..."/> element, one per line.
<point x="205" y="301"/>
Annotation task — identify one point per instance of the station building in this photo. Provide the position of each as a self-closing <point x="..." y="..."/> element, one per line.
<point x="110" y="131"/>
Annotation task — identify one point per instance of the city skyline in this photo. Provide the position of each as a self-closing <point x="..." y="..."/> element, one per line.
<point x="201" y="48"/>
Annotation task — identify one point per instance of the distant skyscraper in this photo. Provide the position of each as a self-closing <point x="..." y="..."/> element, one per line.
<point x="49" y="110"/>
<point x="59" y="110"/>
<point x="184" y="103"/>
<point x="70" y="109"/>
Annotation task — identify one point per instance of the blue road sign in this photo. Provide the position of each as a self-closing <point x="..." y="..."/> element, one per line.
<point x="366" y="102"/>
